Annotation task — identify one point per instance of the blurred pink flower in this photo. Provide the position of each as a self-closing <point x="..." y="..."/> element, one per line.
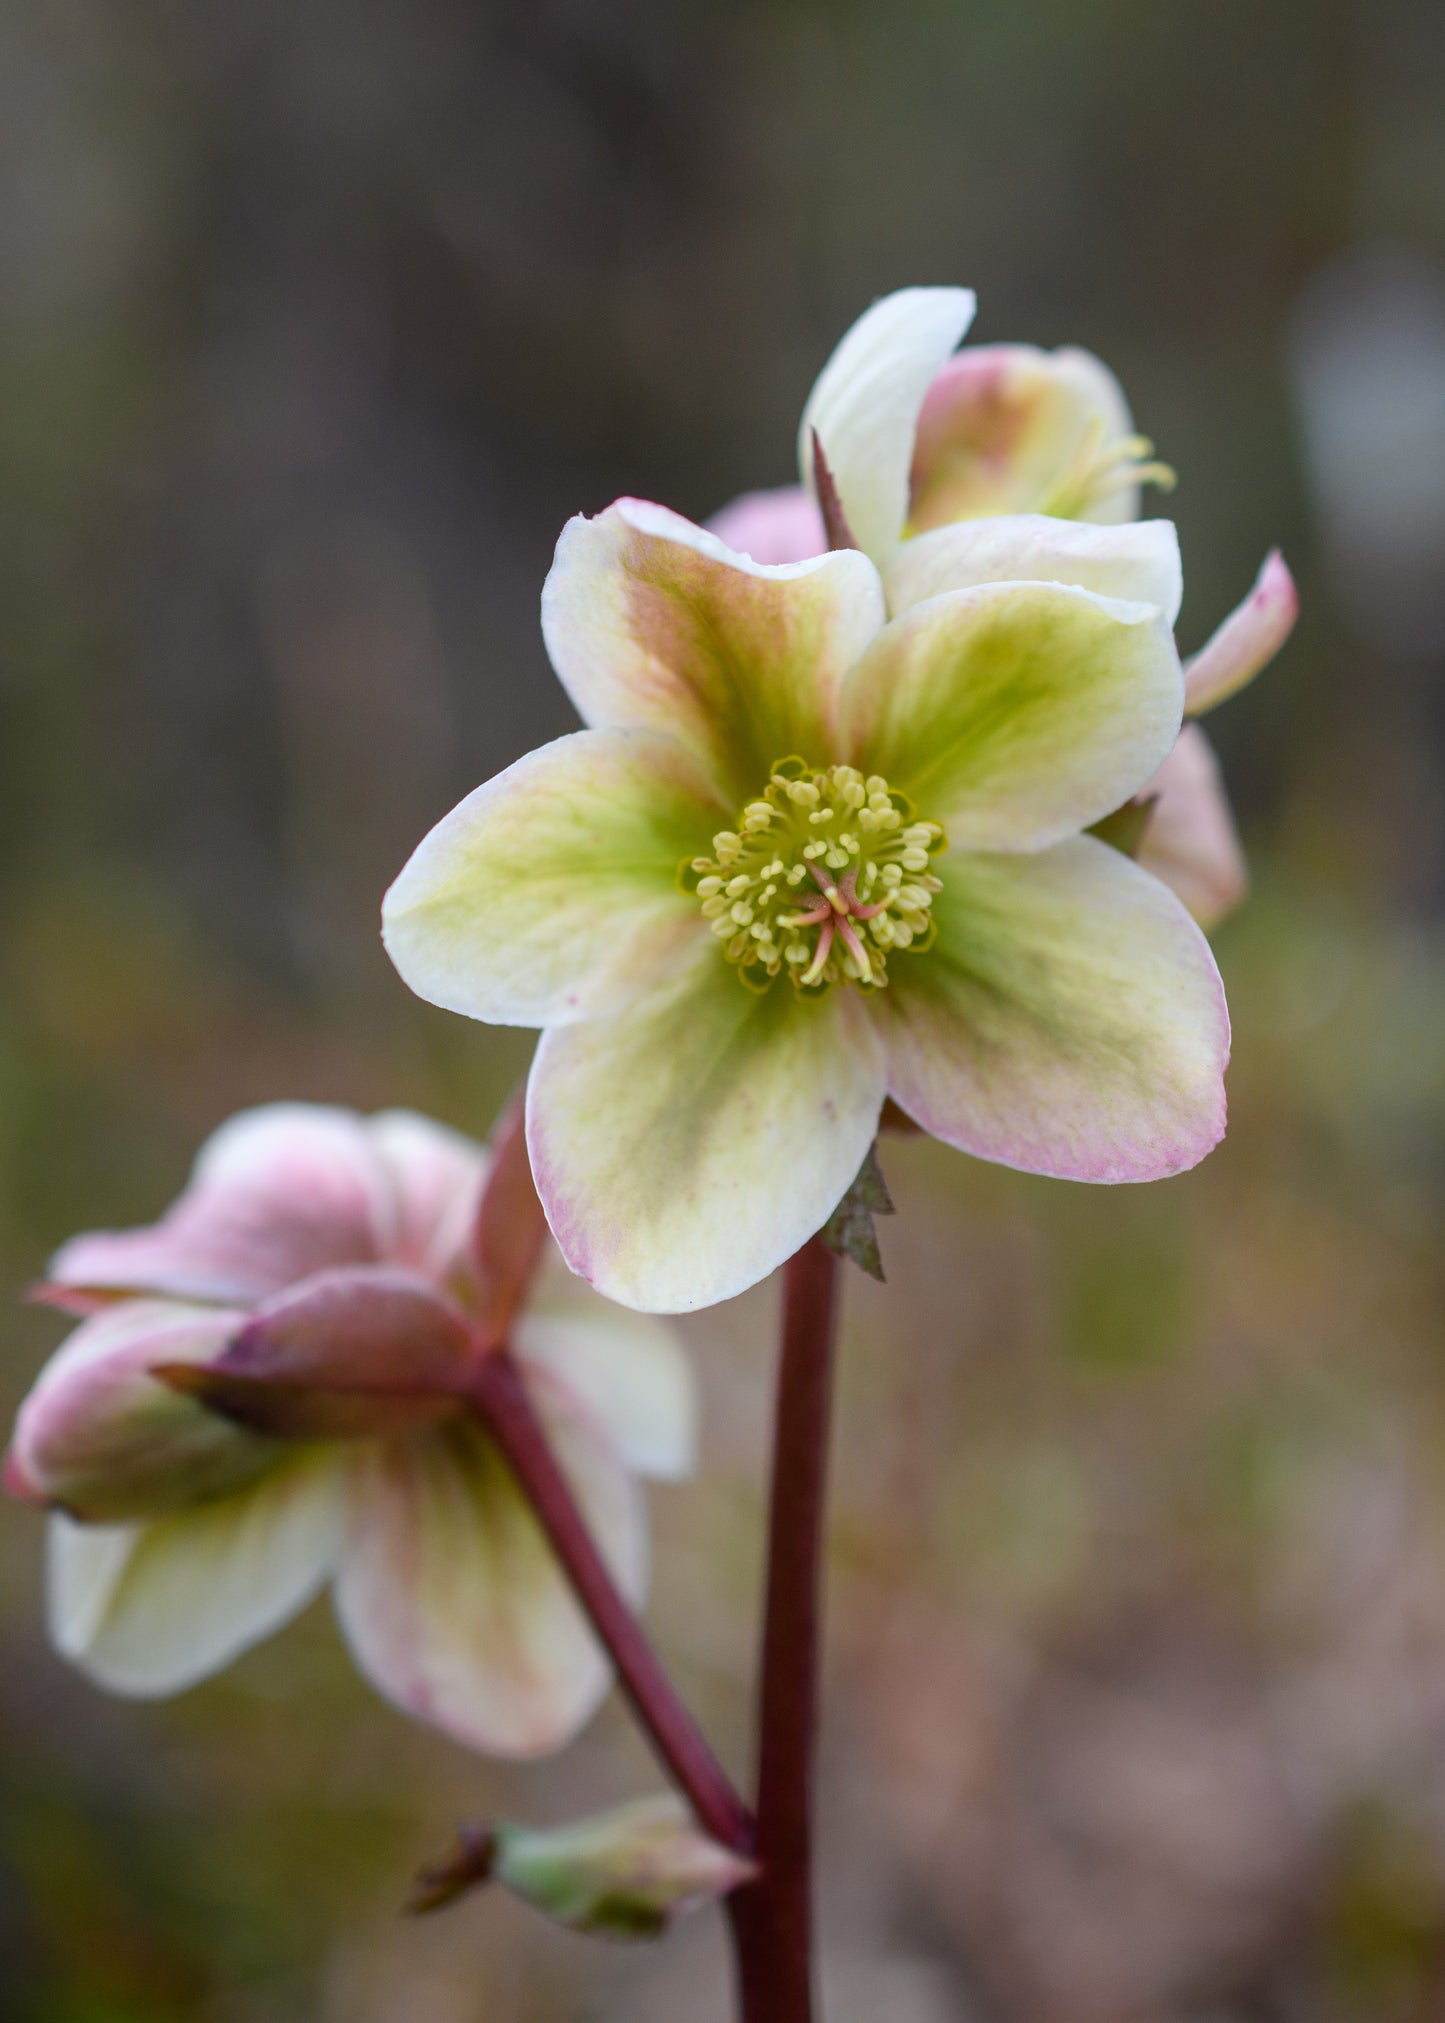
<point x="312" y="1242"/>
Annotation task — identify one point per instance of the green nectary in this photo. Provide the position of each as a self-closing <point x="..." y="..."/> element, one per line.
<point x="826" y="872"/>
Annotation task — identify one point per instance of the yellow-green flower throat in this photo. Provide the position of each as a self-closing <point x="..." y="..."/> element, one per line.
<point x="824" y="876"/>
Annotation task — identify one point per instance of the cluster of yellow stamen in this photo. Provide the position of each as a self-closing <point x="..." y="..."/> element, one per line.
<point x="1098" y="469"/>
<point x="825" y="873"/>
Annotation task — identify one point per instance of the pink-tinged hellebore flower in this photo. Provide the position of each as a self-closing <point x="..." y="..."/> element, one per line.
<point x="313" y="1239"/>
<point x="804" y="858"/>
<point x="919" y="436"/>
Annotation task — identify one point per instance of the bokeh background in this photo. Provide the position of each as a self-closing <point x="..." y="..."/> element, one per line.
<point x="317" y="319"/>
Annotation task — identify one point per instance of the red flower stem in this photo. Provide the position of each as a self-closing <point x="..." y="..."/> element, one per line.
<point x="772" y="1918"/>
<point x="500" y="1399"/>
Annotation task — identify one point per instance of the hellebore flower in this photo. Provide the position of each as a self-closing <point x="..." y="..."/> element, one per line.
<point x="198" y="1510"/>
<point x="805" y="858"/>
<point x="919" y="437"/>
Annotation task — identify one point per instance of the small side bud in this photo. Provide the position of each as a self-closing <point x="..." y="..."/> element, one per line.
<point x="624" y="1874"/>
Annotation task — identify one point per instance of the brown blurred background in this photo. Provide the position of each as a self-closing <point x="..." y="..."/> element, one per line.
<point x="316" y="321"/>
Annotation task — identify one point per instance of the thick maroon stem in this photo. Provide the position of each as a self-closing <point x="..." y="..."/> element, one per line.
<point x="501" y="1400"/>
<point x="772" y="1918"/>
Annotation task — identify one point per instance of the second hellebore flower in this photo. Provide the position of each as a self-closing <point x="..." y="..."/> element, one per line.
<point x="184" y="1531"/>
<point x="806" y="858"/>
<point x="919" y="437"/>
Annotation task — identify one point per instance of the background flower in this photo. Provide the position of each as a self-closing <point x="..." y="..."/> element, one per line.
<point x="183" y="1533"/>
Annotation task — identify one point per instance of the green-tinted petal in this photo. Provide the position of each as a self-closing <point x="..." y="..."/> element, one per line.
<point x="1138" y="564"/>
<point x="684" y="1151"/>
<point x="652" y="623"/>
<point x="1018" y="713"/>
<point x="147" y="1609"/>
<point x="550" y="893"/>
<point x="1069" y="1019"/>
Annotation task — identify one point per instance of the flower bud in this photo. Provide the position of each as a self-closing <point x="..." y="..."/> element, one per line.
<point x="625" y="1874"/>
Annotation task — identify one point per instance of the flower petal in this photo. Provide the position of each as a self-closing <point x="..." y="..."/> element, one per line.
<point x="1069" y="1019"/>
<point x="653" y="624"/>
<point x="1247" y="641"/>
<point x="436" y="1175"/>
<point x="101" y="1436"/>
<point x="276" y="1193"/>
<point x="104" y="1439"/>
<point x="1007" y="428"/>
<point x="866" y="401"/>
<point x="777" y="526"/>
<point x="364" y="1350"/>
<point x="1017" y="713"/>
<point x="551" y="893"/>
<point x="684" y="1151"/>
<point x="1190" y="840"/>
<point x="148" y="1609"/>
<point x="630" y="1369"/>
<point x="450" y="1597"/>
<point x="1138" y="563"/>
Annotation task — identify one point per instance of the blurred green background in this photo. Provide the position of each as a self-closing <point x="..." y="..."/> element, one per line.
<point x="317" y="319"/>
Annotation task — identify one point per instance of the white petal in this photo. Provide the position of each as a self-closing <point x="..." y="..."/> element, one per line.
<point x="630" y="1369"/>
<point x="865" y="406"/>
<point x="451" y="1598"/>
<point x="686" y="1150"/>
<point x="147" y="1609"/>
<point x="1138" y="564"/>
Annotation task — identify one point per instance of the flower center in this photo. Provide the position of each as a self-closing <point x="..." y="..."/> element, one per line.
<point x="825" y="874"/>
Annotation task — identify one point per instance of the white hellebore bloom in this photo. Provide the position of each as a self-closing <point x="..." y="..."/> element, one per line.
<point x="807" y="856"/>
<point x="182" y="1533"/>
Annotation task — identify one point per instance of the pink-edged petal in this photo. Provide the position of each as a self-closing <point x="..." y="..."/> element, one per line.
<point x="1190" y="840"/>
<point x="654" y="624"/>
<point x="1017" y="713"/>
<point x="99" y="1436"/>
<point x="1138" y="563"/>
<point x="1007" y="428"/>
<point x="148" y="1609"/>
<point x="684" y="1151"/>
<point x="363" y="1350"/>
<point x="450" y="1597"/>
<point x="1068" y="1020"/>
<point x="864" y="406"/>
<point x="630" y="1369"/>
<point x="276" y="1193"/>
<point x="436" y="1176"/>
<point x="777" y="526"/>
<point x="551" y="894"/>
<point x="1246" y="642"/>
<point x="509" y="1236"/>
